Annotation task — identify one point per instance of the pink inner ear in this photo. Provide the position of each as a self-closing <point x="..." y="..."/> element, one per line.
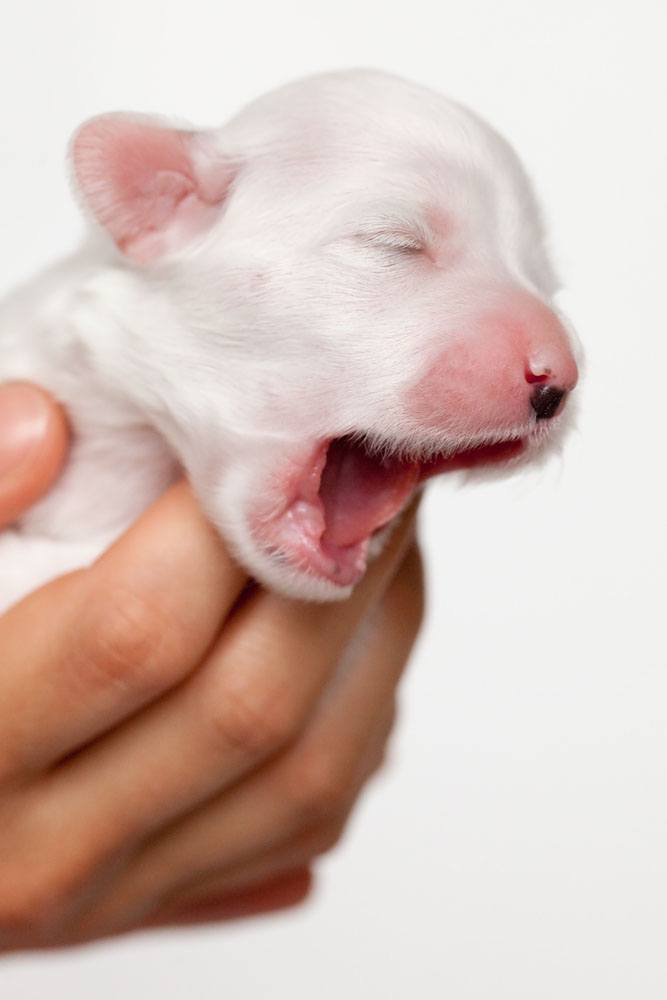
<point x="140" y="181"/>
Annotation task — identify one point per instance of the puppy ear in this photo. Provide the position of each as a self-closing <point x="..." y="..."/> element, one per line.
<point x="154" y="188"/>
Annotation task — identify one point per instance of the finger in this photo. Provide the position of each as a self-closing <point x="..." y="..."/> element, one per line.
<point x="283" y="891"/>
<point x="302" y="789"/>
<point x="136" y="895"/>
<point x="254" y="693"/>
<point x="183" y="750"/>
<point x="295" y="851"/>
<point x="33" y="446"/>
<point x="114" y="637"/>
<point x="278" y="893"/>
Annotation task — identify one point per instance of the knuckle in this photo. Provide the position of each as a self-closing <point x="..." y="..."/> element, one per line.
<point x="123" y="639"/>
<point x="34" y="905"/>
<point x="416" y="614"/>
<point x="18" y="917"/>
<point x="319" y="788"/>
<point x="10" y="763"/>
<point x="412" y="592"/>
<point x="44" y="878"/>
<point x="329" y="837"/>
<point x="251" y="719"/>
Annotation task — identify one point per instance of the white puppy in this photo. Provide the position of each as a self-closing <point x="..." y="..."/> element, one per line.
<point x="310" y="310"/>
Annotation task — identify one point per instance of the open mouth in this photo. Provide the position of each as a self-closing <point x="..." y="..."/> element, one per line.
<point x="346" y="494"/>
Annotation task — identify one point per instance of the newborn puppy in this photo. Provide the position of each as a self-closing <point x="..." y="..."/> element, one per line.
<point x="311" y="310"/>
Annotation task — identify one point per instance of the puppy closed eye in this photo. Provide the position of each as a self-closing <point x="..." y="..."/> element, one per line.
<point x="382" y="244"/>
<point x="397" y="242"/>
<point x="390" y="244"/>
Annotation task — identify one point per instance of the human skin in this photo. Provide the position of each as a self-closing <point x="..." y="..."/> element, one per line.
<point x="178" y="745"/>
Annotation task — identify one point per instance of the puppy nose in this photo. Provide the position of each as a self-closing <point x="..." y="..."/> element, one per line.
<point x="546" y="400"/>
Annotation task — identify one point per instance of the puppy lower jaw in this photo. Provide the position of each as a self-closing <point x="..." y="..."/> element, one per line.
<point x="333" y="513"/>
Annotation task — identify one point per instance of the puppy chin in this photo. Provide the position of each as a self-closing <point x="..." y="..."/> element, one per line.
<point x="278" y="574"/>
<point x="229" y="506"/>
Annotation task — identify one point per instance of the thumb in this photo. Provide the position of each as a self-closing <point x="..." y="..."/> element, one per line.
<point x="33" y="446"/>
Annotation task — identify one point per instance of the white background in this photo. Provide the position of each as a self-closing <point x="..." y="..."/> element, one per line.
<point x="516" y="846"/>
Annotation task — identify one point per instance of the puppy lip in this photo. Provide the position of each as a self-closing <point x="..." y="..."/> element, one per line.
<point x="301" y="531"/>
<point x="475" y="456"/>
<point x="346" y="493"/>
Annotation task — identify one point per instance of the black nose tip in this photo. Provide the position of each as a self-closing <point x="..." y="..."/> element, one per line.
<point x="545" y="400"/>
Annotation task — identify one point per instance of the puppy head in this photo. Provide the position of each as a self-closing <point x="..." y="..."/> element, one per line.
<point x="356" y="296"/>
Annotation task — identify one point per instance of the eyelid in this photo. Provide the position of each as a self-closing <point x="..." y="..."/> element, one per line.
<point x="392" y="239"/>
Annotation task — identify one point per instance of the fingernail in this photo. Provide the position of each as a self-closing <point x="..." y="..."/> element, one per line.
<point x="24" y="415"/>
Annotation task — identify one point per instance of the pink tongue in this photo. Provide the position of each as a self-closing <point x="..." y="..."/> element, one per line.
<point x="360" y="494"/>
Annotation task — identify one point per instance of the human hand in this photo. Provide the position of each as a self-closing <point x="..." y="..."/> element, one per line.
<point x="177" y="748"/>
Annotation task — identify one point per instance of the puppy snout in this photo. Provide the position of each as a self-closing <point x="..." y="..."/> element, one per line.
<point x="546" y="400"/>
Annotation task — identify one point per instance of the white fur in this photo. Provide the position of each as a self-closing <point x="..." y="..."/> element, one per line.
<point x="296" y="314"/>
